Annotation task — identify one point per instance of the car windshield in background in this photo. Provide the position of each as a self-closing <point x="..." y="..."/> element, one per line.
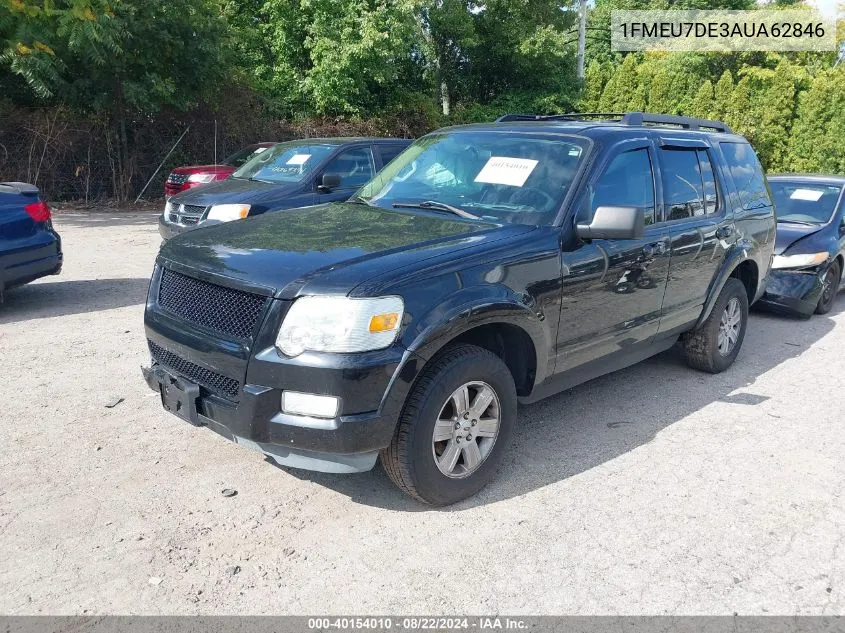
<point x="240" y="157"/>
<point x="804" y="202"/>
<point x="506" y="177"/>
<point x="285" y="162"/>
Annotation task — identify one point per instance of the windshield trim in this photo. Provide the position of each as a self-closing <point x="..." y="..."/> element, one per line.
<point x="560" y="215"/>
<point x="801" y="182"/>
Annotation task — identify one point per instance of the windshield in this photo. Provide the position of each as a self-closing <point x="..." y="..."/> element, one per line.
<point x="241" y="156"/>
<point x="284" y="162"/>
<point x="500" y="176"/>
<point x="804" y="202"/>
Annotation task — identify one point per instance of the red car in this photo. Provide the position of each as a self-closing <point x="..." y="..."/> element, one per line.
<point x="183" y="178"/>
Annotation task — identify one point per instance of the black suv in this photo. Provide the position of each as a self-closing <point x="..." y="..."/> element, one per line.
<point x="487" y="265"/>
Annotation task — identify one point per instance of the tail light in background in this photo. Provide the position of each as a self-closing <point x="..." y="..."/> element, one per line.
<point x="38" y="211"/>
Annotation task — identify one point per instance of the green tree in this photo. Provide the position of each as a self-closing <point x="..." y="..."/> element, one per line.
<point x="817" y="134"/>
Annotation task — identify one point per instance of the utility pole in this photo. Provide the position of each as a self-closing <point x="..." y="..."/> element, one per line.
<point x="582" y="36"/>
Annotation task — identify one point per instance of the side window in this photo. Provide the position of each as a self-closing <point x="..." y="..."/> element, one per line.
<point x="711" y="195"/>
<point x="627" y="182"/>
<point x="354" y="166"/>
<point x="389" y="152"/>
<point x="683" y="186"/>
<point x="747" y="175"/>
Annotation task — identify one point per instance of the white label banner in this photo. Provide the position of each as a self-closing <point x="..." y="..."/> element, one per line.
<point x="502" y="170"/>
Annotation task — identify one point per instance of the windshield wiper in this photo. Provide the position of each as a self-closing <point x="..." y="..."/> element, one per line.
<point x="266" y="182"/>
<point x="436" y="206"/>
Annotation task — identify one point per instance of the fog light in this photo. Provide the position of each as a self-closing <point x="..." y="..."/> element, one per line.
<point x="310" y="404"/>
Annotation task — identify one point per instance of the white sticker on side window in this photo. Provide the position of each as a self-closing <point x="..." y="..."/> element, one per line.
<point x="298" y="159"/>
<point x="501" y="170"/>
<point x="258" y="150"/>
<point x="812" y="195"/>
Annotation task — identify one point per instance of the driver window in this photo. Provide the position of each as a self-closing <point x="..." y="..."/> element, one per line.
<point x="627" y="182"/>
<point x="354" y="166"/>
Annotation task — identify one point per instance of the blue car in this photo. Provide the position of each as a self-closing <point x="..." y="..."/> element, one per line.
<point x="810" y="249"/>
<point x="286" y="176"/>
<point x="29" y="245"/>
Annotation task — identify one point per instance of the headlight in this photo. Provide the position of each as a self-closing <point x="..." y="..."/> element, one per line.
<point x="228" y="212"/>
<point x="200" y="177"/>
<point x="340" y="324"/>
<point x="170" y="207"/>
<point x="799" y="261"/>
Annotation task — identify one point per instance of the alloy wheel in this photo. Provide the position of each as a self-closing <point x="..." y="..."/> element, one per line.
<point x="466" y="429"/>
<point x="729" y="327"/>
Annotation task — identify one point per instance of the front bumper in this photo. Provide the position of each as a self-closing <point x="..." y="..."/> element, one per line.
<point x="372" y="389"/>
<point x="793" y="291"/>
<point x="168" y="230"/>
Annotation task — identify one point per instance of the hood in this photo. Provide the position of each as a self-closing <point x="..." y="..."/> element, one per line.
<point x="234" y="190"/>
<point x="788" y="234"/>
<point x="328" y="248"/>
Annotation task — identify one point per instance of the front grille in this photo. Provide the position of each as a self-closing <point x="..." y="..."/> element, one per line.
<point x="224" y="310"/>
<point x="192" y="209"/>
<point x="190" y="220"/>
<point x="177" y="179"/>
<point x="219" y="384"/>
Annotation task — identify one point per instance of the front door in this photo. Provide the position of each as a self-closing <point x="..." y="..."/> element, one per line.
<point x="355" y="167"/>
<point x="613" y="289"/>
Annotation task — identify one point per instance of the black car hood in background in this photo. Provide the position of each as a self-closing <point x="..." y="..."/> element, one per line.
<point x="234" y="190"/>
<point x="327" y="248"/>
<point x="788" y="234"/>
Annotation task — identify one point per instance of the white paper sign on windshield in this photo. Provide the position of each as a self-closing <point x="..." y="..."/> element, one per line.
<point x="501" y="170"/>
<point x="298" y="159"/>
<point x="812" y="195"/>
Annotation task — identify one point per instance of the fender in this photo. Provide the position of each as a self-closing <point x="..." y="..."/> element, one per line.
<point x="738" y="254"/>
<point x="482" y="305"/>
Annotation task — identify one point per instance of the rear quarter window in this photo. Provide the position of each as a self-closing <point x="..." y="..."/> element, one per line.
<point x="746" y="174"/>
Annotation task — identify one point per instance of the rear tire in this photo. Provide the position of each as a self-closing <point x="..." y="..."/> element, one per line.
<point x="446" y="446"/>
<point x="831" y="287"/>
<point x="714" y="346"/>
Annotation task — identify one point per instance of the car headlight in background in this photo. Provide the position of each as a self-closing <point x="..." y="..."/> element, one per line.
<point x="804" y="260"/>
<point x="200" y="177"/>
<point x="227" y="212"/>
<point x="340" y="324"/>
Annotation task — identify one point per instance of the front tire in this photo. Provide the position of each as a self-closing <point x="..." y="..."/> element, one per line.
<point x="714" y="346"/>
<point x="455" y="427"/>
<point x="830" y="288"/>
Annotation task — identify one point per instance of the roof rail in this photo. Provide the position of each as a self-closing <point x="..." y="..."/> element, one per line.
<point x="626" y="118"/>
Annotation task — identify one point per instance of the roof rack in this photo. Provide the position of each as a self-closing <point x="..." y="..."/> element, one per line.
<point x="625" y="118"/>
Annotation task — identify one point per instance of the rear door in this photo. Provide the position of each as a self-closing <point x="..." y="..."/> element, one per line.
<point x="700" y="225"/>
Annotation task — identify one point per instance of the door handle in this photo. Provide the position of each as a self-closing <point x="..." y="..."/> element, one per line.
<point x="724" y="232"/>
<point x="655" y="249"/>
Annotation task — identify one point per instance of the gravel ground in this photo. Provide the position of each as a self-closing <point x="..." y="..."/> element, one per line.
<point x="655" y="490"/>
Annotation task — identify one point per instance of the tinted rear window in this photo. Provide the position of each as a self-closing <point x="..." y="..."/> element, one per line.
<point x="747" y="175"/>
<point x="389" y="152"/>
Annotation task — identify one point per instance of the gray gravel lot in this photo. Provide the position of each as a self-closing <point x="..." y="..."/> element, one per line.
<point x="655" y="490"/>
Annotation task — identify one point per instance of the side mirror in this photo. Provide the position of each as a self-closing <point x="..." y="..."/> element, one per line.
<point x="329" y="182"/>
<point x="613" y="223"/>
<point x="842" y="229"/>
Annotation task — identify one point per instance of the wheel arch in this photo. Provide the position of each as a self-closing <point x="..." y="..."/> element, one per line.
<point x="738" y="266"/>
<point x="509" y="331"/>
